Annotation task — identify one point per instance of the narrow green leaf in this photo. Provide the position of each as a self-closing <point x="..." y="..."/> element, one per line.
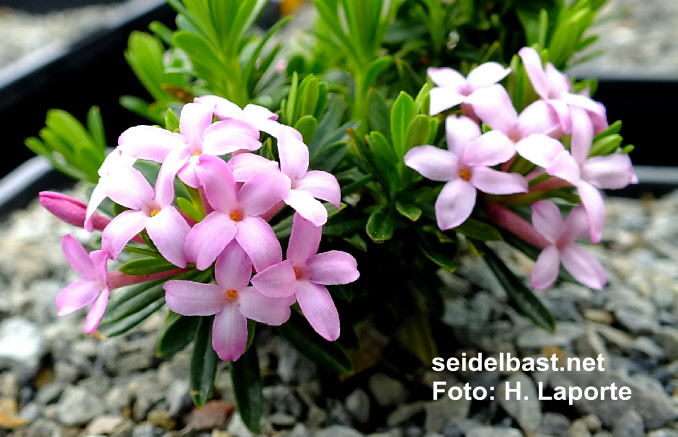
<point x="146" y="266"/>
<point x="522" y="297"/>
<point x="306" y="126"/>
<point x="203" y="363"/>
<point x="95" y="126"/>
<point x="247" y="388"/>
<point x="329" y="157"/>
<point x="177" y="335"/>
<point x="328" y="355"/>
<point x="381" y="224"/>
<point x="478" y="230"/>
<point x="357" y="241"/>
<point x="171" y="121"/>
<point x="378" y="117"/>
<point x="417" y="336"/>
<point x="418" y="133"/>
<point x="401" y="115"/>
<point x="374" y="69"/>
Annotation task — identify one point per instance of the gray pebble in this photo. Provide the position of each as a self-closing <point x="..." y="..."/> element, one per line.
<point x="629" y="425"/>
<point x="77" y="406"/>
<point x="338" y="431"/>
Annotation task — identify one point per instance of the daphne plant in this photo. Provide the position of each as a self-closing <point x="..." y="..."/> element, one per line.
<point x="370" y="164"/>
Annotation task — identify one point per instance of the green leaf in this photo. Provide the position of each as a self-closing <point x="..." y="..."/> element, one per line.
<point x="95" y="126"/>
<point x="417" y="336"/>
<point x="203" y="363"/>
<point x="357" y="241"/>
<point x="307" y="125"/>
<point x="329" y="157"/>
<point x="381" y="224"/>
<point x="418" y="132"/>
<point x="177" y="335"/>
<point x="328" y="355"/>
<point x="412" y="212"/>
<point x="378" y="116"/>
<point x="247" y="388"/>
<point x="374" y="69"/>
<point x="522" y="297"/>
<point x="190" y="209"/>
<point x="146" y="266"/>
<point x="171" y="121"/>
<point x="401" y="116"/>
<point x="433" y="244"/>
<point x="478" y="230"/>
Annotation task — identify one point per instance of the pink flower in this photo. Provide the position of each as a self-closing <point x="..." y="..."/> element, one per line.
<point x="236" y="214"/>
<point x="148" y="209"/>
<point x="116" y="159"/>
<point x="554" y="87"/>
<point x="453" y="89"/>
<point x="198" y="136"/>
<point x="305" y="273"/>
<point x="562" y="235"/>
<point x="586" y="173"/>
<point x="230" y="299"/>
<point x="466" y="167"/>
<point x="93" y="288"/>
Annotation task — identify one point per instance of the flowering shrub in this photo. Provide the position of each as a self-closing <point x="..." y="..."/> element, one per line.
<point x="392" y="137"/>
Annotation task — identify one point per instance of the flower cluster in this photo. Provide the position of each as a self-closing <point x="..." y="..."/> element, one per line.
<point x="554" y="134"/>
<point x="225" y="229"/>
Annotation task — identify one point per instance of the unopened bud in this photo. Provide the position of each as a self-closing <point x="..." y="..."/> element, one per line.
<point x="70" y="210"/>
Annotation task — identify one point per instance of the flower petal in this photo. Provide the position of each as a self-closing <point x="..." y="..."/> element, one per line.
<point x="217" y="180"/>
<point x="168" y="231"/>
<point x="535" y="71"/>
<point x="150" y="143"/>
<point x="262" y="191"/>
<point x="333" y="268"/>
<point x="207" y="239"/>
<point x="258" y="240"/>
<point x="319" y="309"/>
<point x="77" y="257"/>
<point x="538" y="118"/>
<point x="582" y="135"/>
<point x="460" y="132"/>
<point x="492" y="181"/>
<point x="565" y="167"/>
<point x="246" y="165"/>
<point x="128" y="187"/>
<point x="433" y="163"/>
<point x="583" y="266"/>
<point x="488" y="150"/>
<point x="122" y="229"/>
<point x="229" y="333"/>
<point x="278" y="280"/>
<point x="306" y="206"/>
<point x="293" y="153"/>
<point x="96" y="312"/>
<point x="228" y="136"/>
<point x="547" y="220"/>
<point x="77" y="295"/>
<point x="95" y="199"/>
<point x="608" y="172"/>
<point x="594" y="204"/>
<point x="443" y="99"/>
<point x="233" y="269"/>
<point x="190" y="298"/>
<point x="260" y="308"/>
<point x="455" y="204"/>
<point x="100" y="262"/>
<point x="545" y="270"/>
<point x="322" y="185"/>
<point x="493" y="106"/>
<point x="486" y="74"/>
<point x="304" y="241"/>
<point x="446" y="77"/>
<point x="539" y="149"/>
<point x="193" y="121"/>
<point x="222" y="108"/>
<point x="164" y="185"/>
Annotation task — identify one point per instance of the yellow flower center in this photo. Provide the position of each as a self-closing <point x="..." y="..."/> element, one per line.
<point x="235" y="216"/>
<point x="296" y="272"/>
<point x="196" y="153"/>
<point x="231" y="294"/>
<point x="154" y="212"/>
<point x="465" y="175"/>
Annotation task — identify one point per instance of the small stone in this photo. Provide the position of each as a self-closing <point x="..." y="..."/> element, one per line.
<point x="214" y="414"/>
<point x="178" y="397"/>
<point x="163" y="419"/>
<point x="104" y="424"/>
<point x="338" y="431"/>
<point x="316" y="416"/>
<point x="300" y="430"/>
<point x="387" y="391"/>
<point x="526" y="411"/>
<point x="491" y="431"/>
<point x="45" y="428"/>
<point x="78" y="406"/>
<point x="663" y="433"/>
<point x="49" y="393"/>
<point x="358" y="404"/>
<point x="554" y="424"/>
<point x="599" y="316"/>
<point x="668" y="338"/>
<point x="236" y="427"/>
<point x="292" y="367"/>
<point x="630" y="424"/>
<point x="578" y="429"/>
<point x="146" y="430"/>
<point x="31" y="412"/>
<point x="441" y="411"/>
<point x="535" y="338"/>
<point x="282" y="420"/>
<point x="21" y="346"/>
<point x="404" y="413"/>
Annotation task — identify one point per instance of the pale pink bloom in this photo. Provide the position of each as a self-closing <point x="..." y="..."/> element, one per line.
<point x="116" y="159"/>
<point x="93" y="288"/>
<point x="555" y="88"/>
<point x="586" y="173"/>
<point x="231" y="300"/>
<point x="149" y="209"/>
<point x="466" y="167"/>
<point x="236" y="214"/>
<point x="305" y="273"/>
<point x="259" y="117"/>
<point x="562" y="235"/>
<point x="454" y="89"/>
<point x="198" y="136"/>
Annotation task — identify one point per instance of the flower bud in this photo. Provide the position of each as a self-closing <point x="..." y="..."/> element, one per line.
<point x="70" y="210"/>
